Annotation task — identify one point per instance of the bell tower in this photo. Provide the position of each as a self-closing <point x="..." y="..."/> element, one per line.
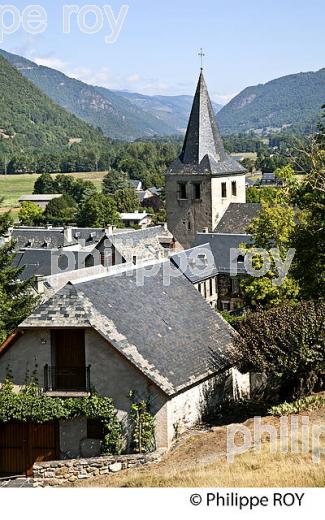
<point x="204" y="180"/>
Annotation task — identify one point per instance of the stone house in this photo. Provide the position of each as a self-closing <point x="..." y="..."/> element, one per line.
<point x="122" y="332"/>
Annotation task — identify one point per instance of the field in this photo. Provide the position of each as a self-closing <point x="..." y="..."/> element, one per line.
<point x="199" y="460"/>
<point x="13" y="186"/>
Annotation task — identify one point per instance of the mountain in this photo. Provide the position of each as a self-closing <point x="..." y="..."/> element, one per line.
<point x="173" y="110"/>
<point x="28" y="118"/>
<point x="291" y="102"/>
<point x="120" y="115"/>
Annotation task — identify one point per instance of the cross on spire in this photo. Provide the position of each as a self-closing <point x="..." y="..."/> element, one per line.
<point x="201" y="54"/>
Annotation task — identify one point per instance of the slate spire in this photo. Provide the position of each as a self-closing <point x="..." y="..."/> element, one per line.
<point x="203" y="150"/>
<point x="202" y="136"/>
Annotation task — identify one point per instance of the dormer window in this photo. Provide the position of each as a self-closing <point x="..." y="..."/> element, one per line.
<point x="182" y="194"/>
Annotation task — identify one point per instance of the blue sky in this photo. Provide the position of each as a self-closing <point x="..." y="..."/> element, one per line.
<point x="246" y="42"/>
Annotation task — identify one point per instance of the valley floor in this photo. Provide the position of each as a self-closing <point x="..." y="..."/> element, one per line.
<point x="198" y="459"/>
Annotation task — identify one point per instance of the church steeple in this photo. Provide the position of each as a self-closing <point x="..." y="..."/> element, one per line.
<point x="203" y="150"/>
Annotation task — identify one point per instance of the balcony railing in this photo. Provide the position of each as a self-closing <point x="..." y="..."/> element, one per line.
<point x="68" y="379"/>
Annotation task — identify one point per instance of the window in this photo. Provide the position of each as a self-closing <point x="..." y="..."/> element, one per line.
<point x="189" y="226"/>
<point x="134" y="260"/>
<point x="182" y="190"/>
<point x="211" y="286"/>
<point x="234" y="188"/>
<point x="197" y="191"/>
<point x="223" y="190"/>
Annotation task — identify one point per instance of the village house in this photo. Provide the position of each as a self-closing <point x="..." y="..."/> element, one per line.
<point x="120" y="332"/>
<point x="40" y="200"/>
<point x="135" y="219"/>
<point x="50" y="250"/>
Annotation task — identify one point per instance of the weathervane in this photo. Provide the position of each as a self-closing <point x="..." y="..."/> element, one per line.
<point x="201" y="54"/>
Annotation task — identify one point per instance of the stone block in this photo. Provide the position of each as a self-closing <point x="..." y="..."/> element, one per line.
<point x="114" y="468"/>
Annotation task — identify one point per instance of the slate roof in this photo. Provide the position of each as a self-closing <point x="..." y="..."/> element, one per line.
<point x="34" y="261"/>
<point x="38" y="237"/>
<point x="176" y="340"/>
<point x="197" y="263"/>
<point x="54" y="237"/>
<point x="46" y="197"/>
<point x="237" y="218"/>
<point x="203" y="150"/>
<point x="221" y="245"/>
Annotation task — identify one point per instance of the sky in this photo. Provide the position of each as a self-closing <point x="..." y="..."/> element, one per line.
<point x="152" y="46"/>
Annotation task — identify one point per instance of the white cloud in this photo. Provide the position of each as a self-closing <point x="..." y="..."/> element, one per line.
<point x="51" y="62"/>
<point x="134" y="78"/>
<point x="223" y="99"/>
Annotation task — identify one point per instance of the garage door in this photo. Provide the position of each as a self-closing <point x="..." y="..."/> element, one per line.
<point x="23" y="444"/>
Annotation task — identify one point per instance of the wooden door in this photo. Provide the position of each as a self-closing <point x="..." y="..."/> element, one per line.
<point x="23" y="444"/>
<point x="69" y="359"/>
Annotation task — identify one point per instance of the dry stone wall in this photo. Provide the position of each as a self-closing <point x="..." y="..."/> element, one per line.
<point x="63" y="472"/>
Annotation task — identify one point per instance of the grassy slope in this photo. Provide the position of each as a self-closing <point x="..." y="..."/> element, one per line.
<point x="13" y="186"/>
<point x="199" y="461"/>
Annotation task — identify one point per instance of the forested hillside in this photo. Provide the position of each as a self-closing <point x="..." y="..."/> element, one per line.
<point x="291" y="102"/>
<point x="28" y="118"/>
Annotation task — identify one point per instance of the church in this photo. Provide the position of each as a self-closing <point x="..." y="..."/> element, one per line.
<point x="204" y="180"/>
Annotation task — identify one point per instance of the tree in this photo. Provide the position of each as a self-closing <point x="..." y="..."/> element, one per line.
<point x="16" y="297"/>
<point x="99" y="210"/>
<point x="249" y="164"/>
<point x="126" y="200"/>
<point x="61" y="211"/>
<point x="6" y="220"/>
<point x="115" y="180"/>
<point x="45" y="184"/>
<point x="309" y="237"/>
<point x="259" y="194"/>
<point x="272" y="229"/>
<point x="78" y="189"/>
<point x="287" y="343"/>
<point x="30" y="214"/>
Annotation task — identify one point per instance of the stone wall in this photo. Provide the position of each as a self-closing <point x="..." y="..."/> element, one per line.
<point x="65" y="472"/>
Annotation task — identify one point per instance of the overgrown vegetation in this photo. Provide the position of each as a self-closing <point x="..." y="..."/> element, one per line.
<point x="312" y="402"/>
<point x="287" y="343"/>
<point x="31" y="405"/>
<point x="142" y="424"/>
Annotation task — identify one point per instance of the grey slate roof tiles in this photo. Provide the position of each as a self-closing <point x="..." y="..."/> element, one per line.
<point x="203" y="150"/>
<point x="168" y="332"/>
<point x="237" y="218"/>
<point x="221" y="245"/>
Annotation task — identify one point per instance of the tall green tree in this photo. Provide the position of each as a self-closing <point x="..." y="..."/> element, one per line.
<point x="61" y="211"/>
<point x="272" y="229"/>
<point x="6" y="220"/>
<point x="126" y="200"/>
<point x="98" y="210"/>
<point x="115" y="180"/>
<point x="16" y="297"/>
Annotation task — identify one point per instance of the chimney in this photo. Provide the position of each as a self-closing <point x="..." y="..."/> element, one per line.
<point x="39" y="284"/>
<point x="68" y="234"/>
<point x="109" y="229"/>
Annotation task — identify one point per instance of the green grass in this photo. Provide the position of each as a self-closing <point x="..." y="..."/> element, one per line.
<point x="13" y="186"/>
